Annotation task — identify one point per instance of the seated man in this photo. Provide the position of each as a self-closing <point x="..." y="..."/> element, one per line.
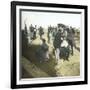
<point x="42" y="52"/>
<point x="44" y="48"/>
<point x="64" y="49"/>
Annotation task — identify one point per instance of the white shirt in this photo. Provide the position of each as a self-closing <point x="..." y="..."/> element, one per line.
<point x="64" y="43"/>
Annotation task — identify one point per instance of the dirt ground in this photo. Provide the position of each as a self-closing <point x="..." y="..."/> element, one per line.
<point x="32" y="68"/>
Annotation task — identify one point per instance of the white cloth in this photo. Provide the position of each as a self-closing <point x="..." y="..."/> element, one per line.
<point x="64" y="43"/>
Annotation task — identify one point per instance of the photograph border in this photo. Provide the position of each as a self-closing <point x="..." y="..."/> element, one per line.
<point x="14" y="50"/>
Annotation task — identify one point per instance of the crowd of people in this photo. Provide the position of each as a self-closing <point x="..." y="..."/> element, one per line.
<point x="61" y="36"/>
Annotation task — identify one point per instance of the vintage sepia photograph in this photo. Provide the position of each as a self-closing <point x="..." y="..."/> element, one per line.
<point x="49" y="44"/>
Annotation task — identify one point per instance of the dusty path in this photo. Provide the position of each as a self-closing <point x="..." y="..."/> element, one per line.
<point x="62" y="68"/>
<point x="69" y="68"/>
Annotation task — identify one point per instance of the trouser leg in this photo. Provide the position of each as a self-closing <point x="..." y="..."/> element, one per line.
<point x="57" y="53"/>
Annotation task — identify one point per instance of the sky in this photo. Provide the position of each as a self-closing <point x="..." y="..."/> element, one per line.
<point x="46" y="18"/>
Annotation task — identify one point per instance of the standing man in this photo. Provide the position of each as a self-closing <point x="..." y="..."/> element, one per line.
<point x="45" y="47"/>
<point x="31" y="31"/>
<point x="41" y="32"/>
<point x="57" y="43"/>
<point x="70" y="38"/>
<point x="49" y="33"/>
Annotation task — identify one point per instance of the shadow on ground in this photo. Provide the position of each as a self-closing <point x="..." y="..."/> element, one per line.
<point x="47" y="67"/>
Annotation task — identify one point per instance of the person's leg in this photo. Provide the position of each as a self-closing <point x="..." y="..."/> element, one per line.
<point x="48" y="39"/>
<point x="47" y="55"/>
<point x="72" y="49"/>
<point x="57" y="53"/>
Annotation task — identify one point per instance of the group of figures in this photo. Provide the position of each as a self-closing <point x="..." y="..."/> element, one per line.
<point x="63" y="41"/>
<point x="62" y="38"/>
<point x="34" y="31"/>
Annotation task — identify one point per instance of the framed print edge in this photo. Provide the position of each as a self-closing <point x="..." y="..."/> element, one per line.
<point x="14" y="43"/>
<point x="86" y="45"/>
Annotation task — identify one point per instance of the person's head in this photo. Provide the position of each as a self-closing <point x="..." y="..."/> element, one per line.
<point x="35" y="26"/>
<point x="60" y="29"/>
<point x="40" y="26"/>
<point x="31" y="25"/>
